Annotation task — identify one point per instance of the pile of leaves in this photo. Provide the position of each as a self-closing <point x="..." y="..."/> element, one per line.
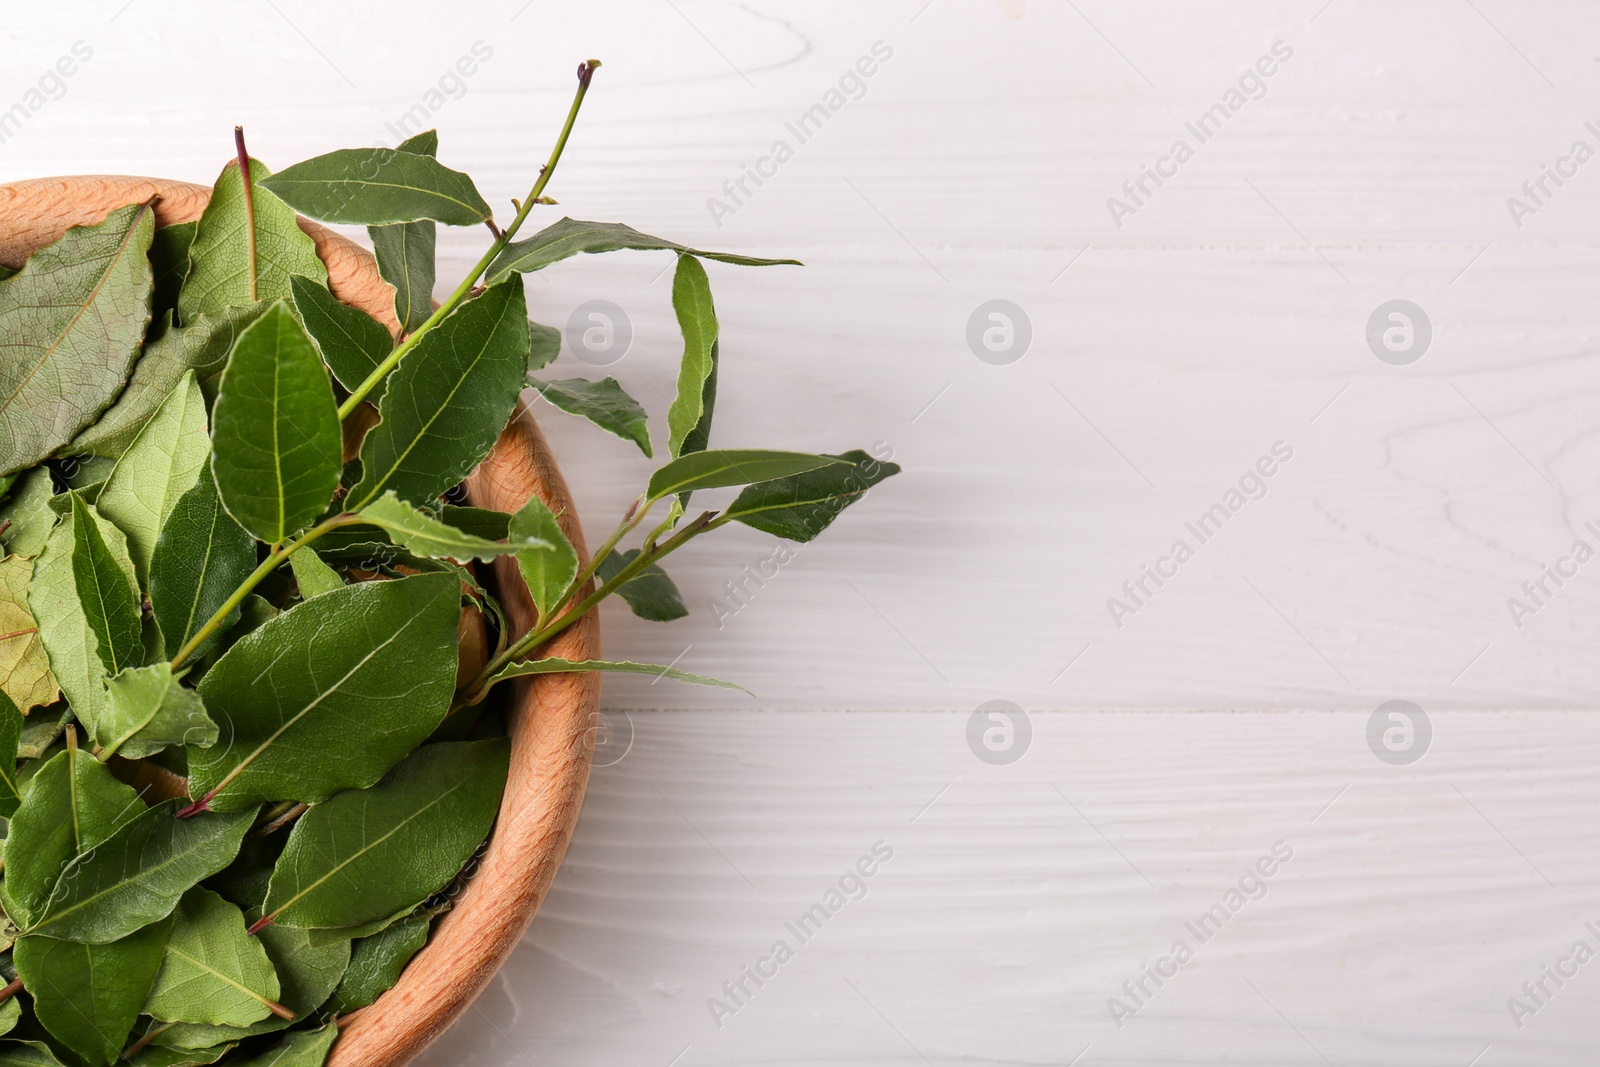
<point x="246" y="750"/>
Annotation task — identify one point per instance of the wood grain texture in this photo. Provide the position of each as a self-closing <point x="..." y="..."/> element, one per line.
<point x="550" y="719"/>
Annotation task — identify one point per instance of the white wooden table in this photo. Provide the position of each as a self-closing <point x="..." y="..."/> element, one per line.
<point x="1227" y="313"/>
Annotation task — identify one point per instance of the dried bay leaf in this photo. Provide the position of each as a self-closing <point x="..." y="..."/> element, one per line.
<point x="71" y="323"/>
<point x="246" y="248"/>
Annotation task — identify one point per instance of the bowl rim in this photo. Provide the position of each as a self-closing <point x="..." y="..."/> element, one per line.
<point x="551" y="718"/>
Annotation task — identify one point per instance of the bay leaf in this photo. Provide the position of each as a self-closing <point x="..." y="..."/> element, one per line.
<point x="25" y="677"/>
<point x="424" y="535"/>
<point x="276" y="448"/>
<point x="570" y="236"/>
<point x="308" y="972"/>
<point x="562" y="666"/>
<point x="156" y="1056"/>
<point x="69" y="642"/>
<point x="650" y="593"/>
<point x="246" y="248"/>
<point x="801" y="506"/>
<point x="376" y="963"/>
<point x="10" y="737"/>
<point x="213" y="971"/>
<point x="136" y="875"/>
<point x="302" y="1048"/>
<point x="26" y="513"/>
<point x="352" y="342"/>
<point x="88" y="996"/>
<point x="730" y="466"/>
<point x="330" y="694"/>
<point x="546" y="345"/>
<point x="405" y="251"/>
<point x="480" y="522"/>
<point x="201" y="557"/>
<point x="169" y="262"/>
<point x="163" y="462"/>
<point x="379" y="187"/>
<point x="201" y="345"/>
<point x="70" y="805"/>
<point x="27" y="1054"/>
<point x="367" y="853"/>
<point x="448" y="400"/>
<point x="43" y="728"/>
<point x="313" y="576"/>
<point x="603" y="403"/>
<point x="697" y="320"/>
<point x="547" y="573"/>
<point x="147" y="709"/>
<point x="71" y="323"/>
<point x="106" y="590"/>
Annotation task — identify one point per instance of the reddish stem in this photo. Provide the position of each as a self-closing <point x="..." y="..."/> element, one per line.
<point x="11" y="990"/>
<point x="249" y="203"/>
<point x="189" y="812"/>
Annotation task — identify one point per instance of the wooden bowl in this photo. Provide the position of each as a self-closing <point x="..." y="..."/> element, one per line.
<point x="551" y="717"/>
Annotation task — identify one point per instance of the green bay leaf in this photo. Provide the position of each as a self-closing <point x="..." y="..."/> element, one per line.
<point x="136" y="875"/>
<point x="26" y="513"/>
<point x="10" y="738"/>
<point x="201" y="346"/>
<point x="713" y="469"/>
<point x="570" y="236"/>
<point x="307" y="970"/>
<point x="246" y="248"/>
<point x="88" y="996"/>
<point x="367" y="853"/>
<point x="405" y="251"/>
<point x="313" y="576"/>
<point x="201" y="557"/>
<point x="69" y="641"/>
<point x="448" y="400"/>
<point x="302" y="1048"/>
<point x="70" y="805"/>
<point x="378" y="187"/>
<point x="352" y="342"/>
<point x="801" y="506"/>
<point x="603" y="403"/>
<point x="689" y="417"/>
<point x="169" y="260"/>
<point x="71" y="323"/>
<point x="147" y="710"/>
<point x="562" y="666"/>
<point x="546" y="572"/>
<point x="423" y="535"/>
<point x="330" y="694"/>
<point x="650" y="593"/>
<point x="106" y="589"/>
<point x="376" y="963"/>
<point x="214" y="971"/>
<point x="162" y="464"/>
<point x="276" y="448"/>
<point x="27" y="1054"/>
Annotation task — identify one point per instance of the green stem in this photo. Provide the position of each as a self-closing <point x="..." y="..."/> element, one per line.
<point x="462" y="291"/>
<point x="475" y="690"/>
<point x="629" y="522"/>
<point x="275" y="556"/>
